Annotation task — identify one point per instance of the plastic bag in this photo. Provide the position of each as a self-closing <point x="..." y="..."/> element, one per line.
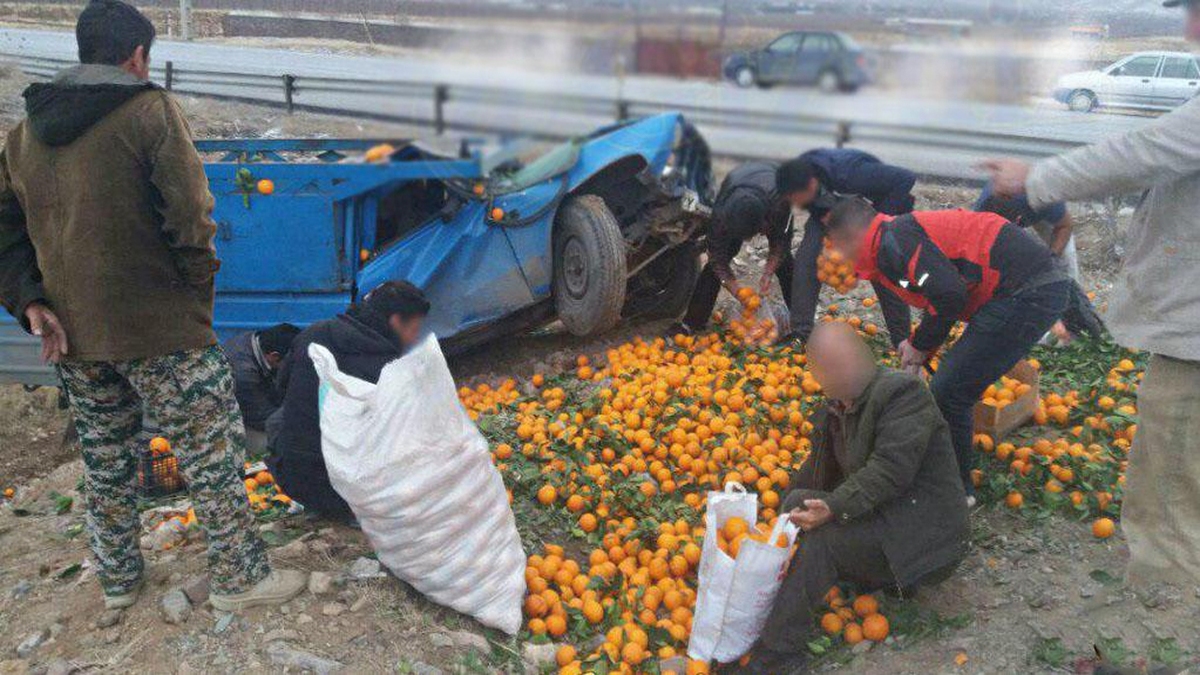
<point x="734" y="596"/>
<point x="419" y="477"/>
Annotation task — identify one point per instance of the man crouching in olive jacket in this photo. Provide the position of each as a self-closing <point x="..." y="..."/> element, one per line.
<point x="879" y="500"/>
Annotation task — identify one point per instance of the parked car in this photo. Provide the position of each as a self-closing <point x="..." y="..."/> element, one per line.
<point x="832" y="61"/>
<point x="1146" y="80"/>
<point x="600" y="228"/>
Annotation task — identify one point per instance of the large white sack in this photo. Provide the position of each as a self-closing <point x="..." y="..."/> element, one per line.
<point x="734" y="596"/>
<point x="419" y="477"/>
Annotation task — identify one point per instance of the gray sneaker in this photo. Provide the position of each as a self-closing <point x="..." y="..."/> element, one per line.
<point x="123" y="600"/>
<point x="279" y="587"/>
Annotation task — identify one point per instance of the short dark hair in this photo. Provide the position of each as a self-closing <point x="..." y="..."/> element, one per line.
<point x="109" y="31"/>
<point x="1015" y="210"/>
<point x="793" y="176"/>
<point x="850" y="212"/>
<point x="278" y="339"/>
<point x="397" y="297"/>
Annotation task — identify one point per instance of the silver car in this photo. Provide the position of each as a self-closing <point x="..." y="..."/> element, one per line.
<point x="1146" y="80"/>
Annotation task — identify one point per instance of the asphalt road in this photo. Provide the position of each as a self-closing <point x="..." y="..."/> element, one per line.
<point x="887" y="124"/>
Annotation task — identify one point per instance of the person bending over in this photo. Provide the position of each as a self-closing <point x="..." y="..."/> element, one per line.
<point x="255" y="357"/>
<point x="370" y="335"/>
<point x="958" y="265"/>
<point x="814" y="181"/>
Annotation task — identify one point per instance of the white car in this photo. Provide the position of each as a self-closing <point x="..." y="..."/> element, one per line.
<point x="1146" y="80"/>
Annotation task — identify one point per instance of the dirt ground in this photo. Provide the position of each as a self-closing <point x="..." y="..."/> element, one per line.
<point x="1032" y="597"/>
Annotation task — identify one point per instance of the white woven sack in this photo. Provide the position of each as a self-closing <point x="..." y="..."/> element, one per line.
<point x="419" y="477"/>
<point x="734" y="597"/>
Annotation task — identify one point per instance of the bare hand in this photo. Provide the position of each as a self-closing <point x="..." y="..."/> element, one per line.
<point x="814" y="514"/>
<point x="1008" y="176"/>
<point x="44" y="324"/>
<point x="911" y="358"/>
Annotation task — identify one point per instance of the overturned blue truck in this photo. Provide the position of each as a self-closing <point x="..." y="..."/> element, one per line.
<point x="598" y="229"/>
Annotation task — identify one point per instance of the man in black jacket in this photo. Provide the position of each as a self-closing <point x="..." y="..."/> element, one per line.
<point x="379" y="330"/>
<point x="813" y="181"/>
<point x="879" y="500"/>
<point x="746" y="205"/>
<point x="255" y="357"/>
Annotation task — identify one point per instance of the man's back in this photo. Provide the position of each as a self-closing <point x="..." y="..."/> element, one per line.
<point x="114" y="200"/>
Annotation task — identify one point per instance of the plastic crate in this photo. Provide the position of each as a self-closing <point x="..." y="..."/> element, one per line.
<point x="998" y="422"/>
<point x="158" y="475"/>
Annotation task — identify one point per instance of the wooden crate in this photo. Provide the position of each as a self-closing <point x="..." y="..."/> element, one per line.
<point x="998" y="422"/>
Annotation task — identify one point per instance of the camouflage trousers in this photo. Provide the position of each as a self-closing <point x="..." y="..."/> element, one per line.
<point x="189" y="394"/>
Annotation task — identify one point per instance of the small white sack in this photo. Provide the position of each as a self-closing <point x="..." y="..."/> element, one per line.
<point x="735" y="596"/>
<point x="418" y="475"/>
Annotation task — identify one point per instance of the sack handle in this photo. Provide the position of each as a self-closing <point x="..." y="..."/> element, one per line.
<point x="780" y="522"/>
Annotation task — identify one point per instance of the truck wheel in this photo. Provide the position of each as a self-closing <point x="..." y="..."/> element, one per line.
<point x="589" y="266"/>
<point x="669" y="282"/>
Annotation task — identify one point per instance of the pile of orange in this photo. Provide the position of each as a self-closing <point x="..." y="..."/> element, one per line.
<point x="736" y="530"/>
<point x="750" y="328"/>
<point x="1004" y="392"/>
<point x="853" y="619"/>
<point x="1073" y="459"/>
<point x="622" y="453"/>
<point x="835" y="271"/>
<point x="264" y="494"/>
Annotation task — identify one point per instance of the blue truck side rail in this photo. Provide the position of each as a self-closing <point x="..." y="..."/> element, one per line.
<point x="291" y="256"/>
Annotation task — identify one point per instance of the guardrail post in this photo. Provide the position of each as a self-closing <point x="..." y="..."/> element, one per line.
<point x="441" y="94"/>
<point x="622" y="109"/>
<point x="169" y="76"/>
<point x="289" y="90"/>
<point x="843" y="134"/>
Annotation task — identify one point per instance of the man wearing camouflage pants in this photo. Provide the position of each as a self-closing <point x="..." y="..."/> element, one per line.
<point x="106" y="253"/>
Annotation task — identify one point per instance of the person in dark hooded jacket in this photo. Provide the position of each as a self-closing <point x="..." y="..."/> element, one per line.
<point x="379" y="330"/>
<point x="106" y="254"/>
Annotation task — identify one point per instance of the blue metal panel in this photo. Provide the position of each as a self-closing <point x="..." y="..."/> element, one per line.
<point x="465" y="266"/>
<point x="652" y="138"/>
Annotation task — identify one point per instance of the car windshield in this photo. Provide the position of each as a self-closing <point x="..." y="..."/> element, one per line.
<point x="553" y="163"/>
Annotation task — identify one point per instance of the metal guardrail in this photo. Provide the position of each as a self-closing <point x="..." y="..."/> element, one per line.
<point x="329" y="94"/>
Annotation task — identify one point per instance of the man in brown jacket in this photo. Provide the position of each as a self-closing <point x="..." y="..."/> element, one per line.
<point x="106" y="253"/>
<point x="879" y="500"/>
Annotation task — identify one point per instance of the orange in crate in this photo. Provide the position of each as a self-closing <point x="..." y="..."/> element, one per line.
<point x="1009" y="403"/>
<point x="158" y="470"/>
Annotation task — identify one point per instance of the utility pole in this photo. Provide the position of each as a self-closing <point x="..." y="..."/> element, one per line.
<point x="724" y="23"/>
<point x="185" y="19"/>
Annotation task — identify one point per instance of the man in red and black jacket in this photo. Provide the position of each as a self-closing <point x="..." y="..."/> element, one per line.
<point x="958" y="265"/>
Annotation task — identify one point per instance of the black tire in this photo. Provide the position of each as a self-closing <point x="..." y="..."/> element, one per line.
<point x="665" y="286"/>
<point x="745" y="77"/>
<point x="829" y="82"/>
<point x="589" y="266"/>
<point x="1082" y="101"/>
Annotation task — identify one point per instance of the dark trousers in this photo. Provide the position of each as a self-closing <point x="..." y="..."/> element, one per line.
<point x="306" y="480"/>
<point x="708" y="287"/>
<point x="851" y="552"/>
<point x="806" y="290"/>
<point x="1000" y="334"/>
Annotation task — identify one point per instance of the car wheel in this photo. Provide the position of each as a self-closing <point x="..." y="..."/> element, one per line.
<point x="664" y="289"/>
<point x="829" y="82"/>
<point x="1082" y="101"/>
<point x="589" y="266"/>
<point x="745" y="77"/>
